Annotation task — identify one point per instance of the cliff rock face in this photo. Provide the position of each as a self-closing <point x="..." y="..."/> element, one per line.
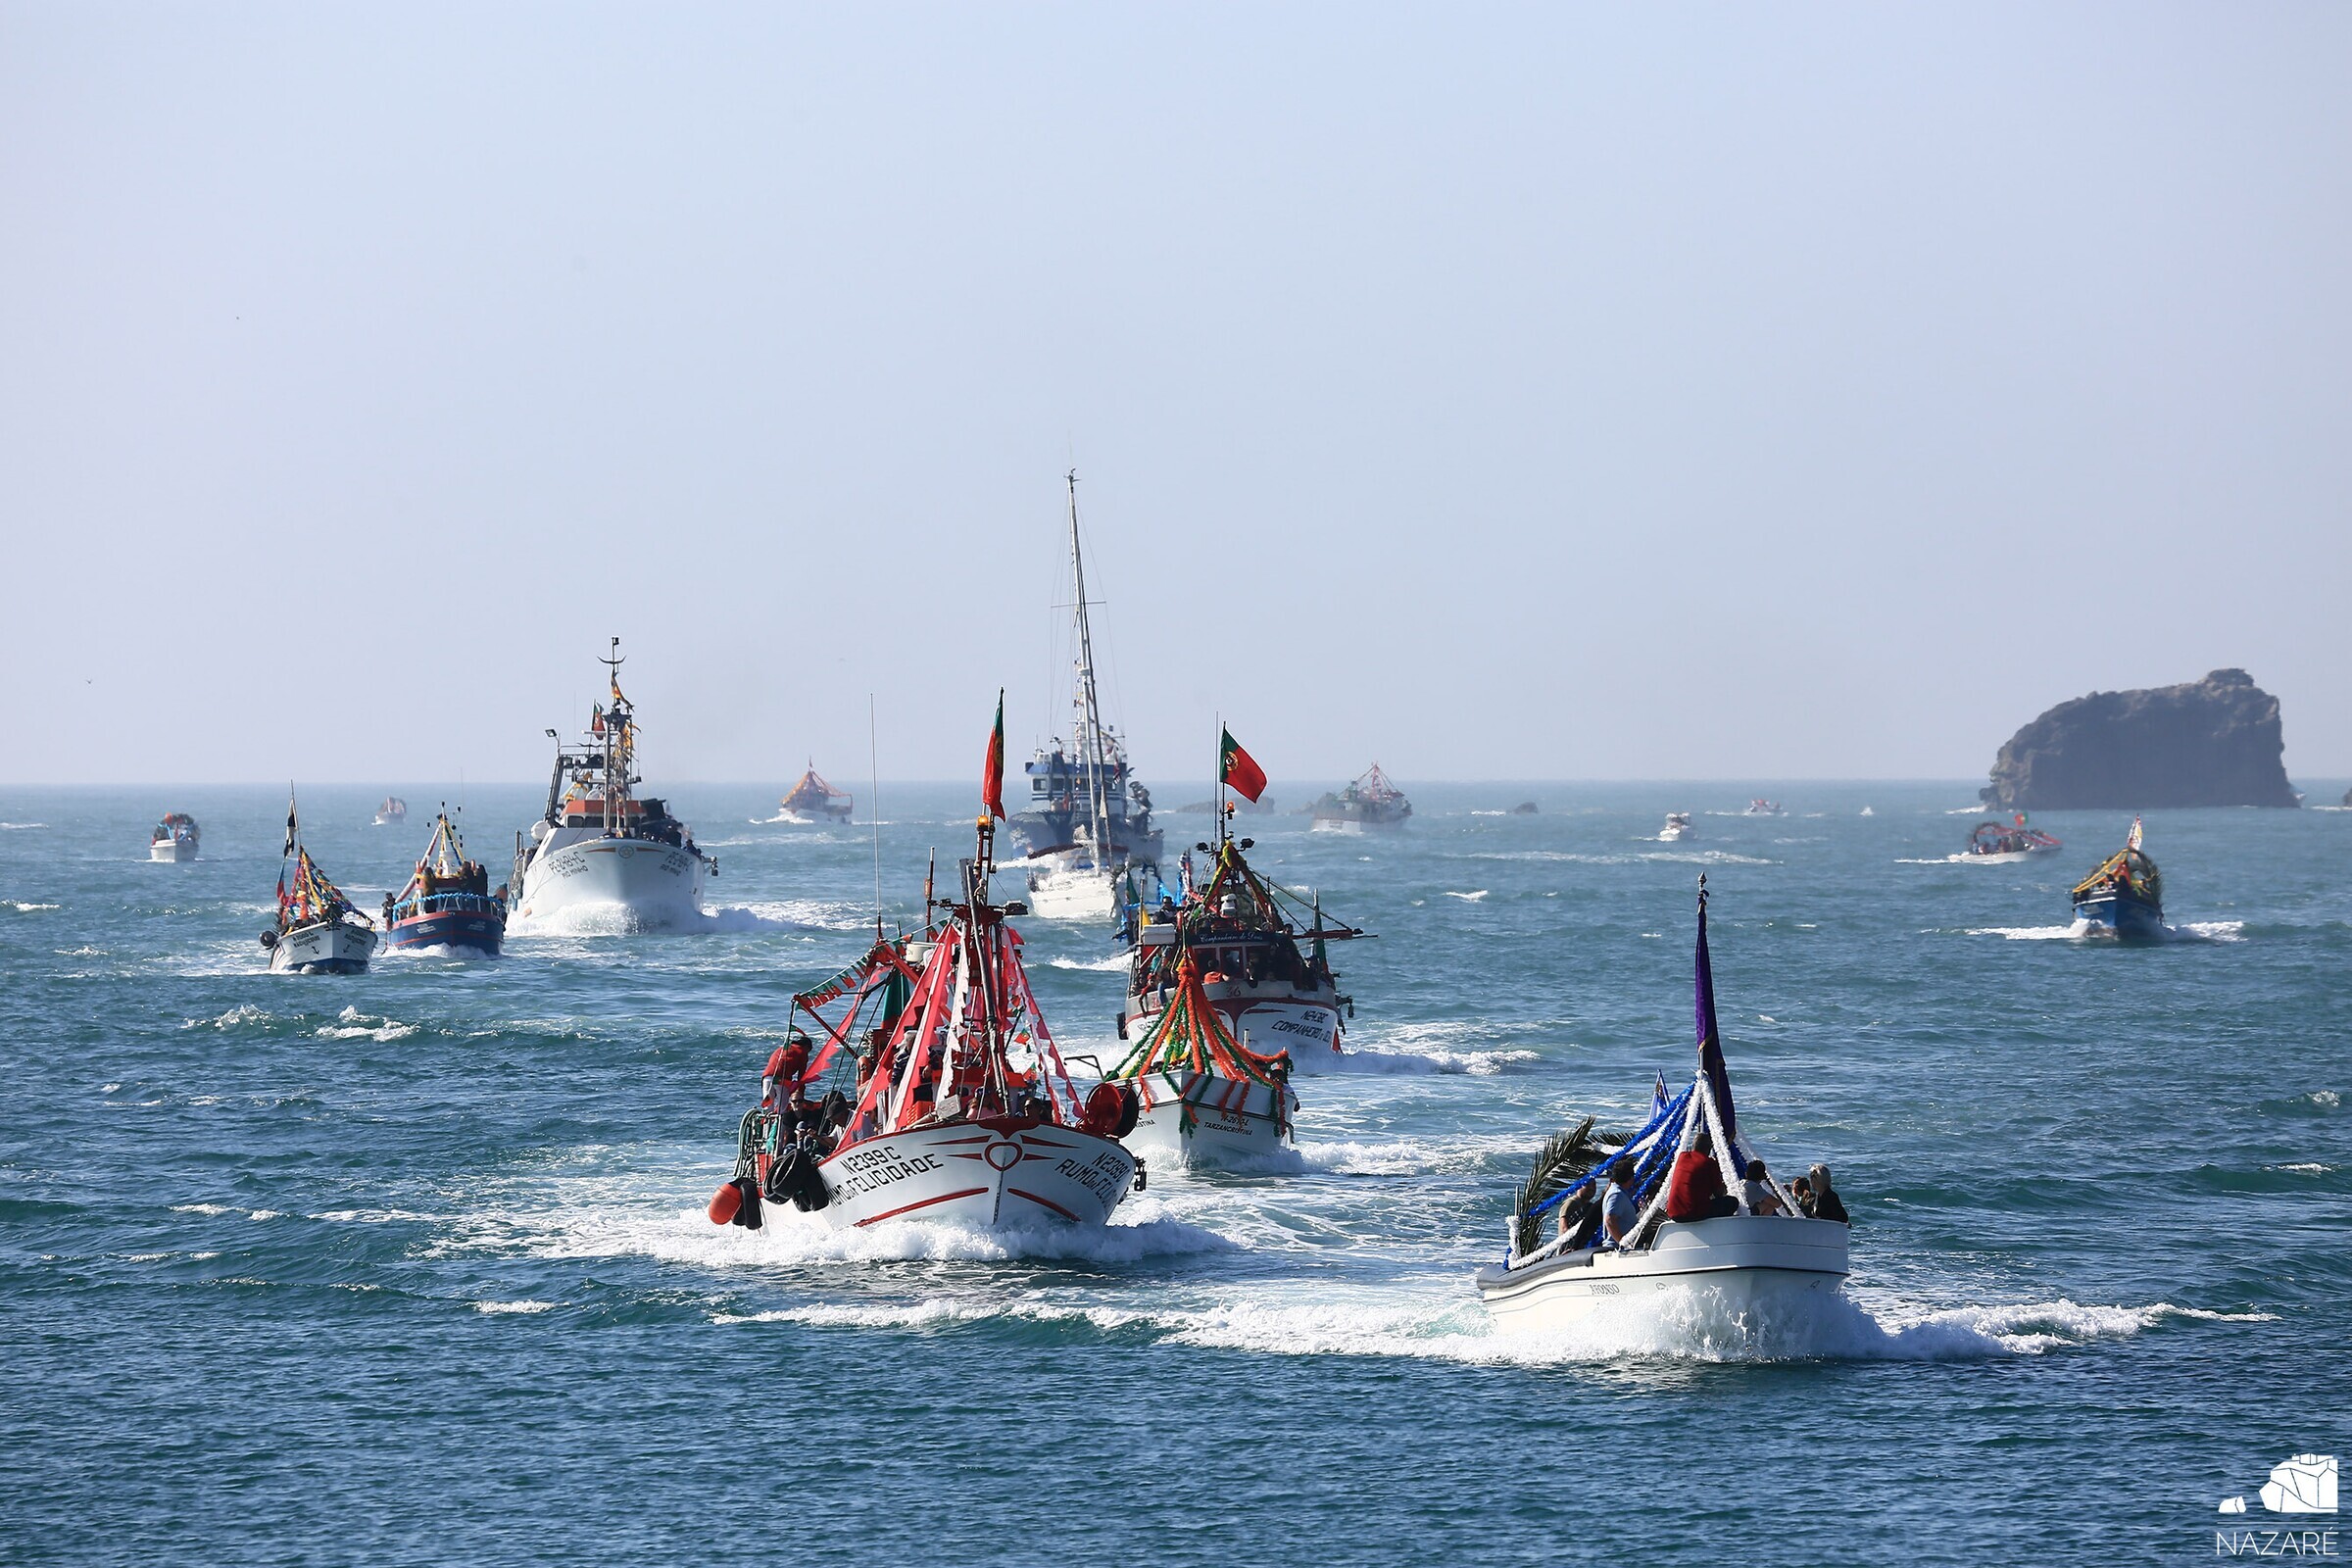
<point x="2213" y="742"/>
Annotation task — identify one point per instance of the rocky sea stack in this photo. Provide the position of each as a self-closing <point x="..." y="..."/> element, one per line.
<point x="2213" y="742"/>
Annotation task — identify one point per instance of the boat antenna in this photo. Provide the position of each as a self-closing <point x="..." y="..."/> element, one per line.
<point x="873" y="760"/>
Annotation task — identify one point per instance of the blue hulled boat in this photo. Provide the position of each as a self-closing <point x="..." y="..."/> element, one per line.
<point x="448" y="902"/>
<point x="2125" y="894"/>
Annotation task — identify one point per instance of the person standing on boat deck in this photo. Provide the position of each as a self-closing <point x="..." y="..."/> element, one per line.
<point x="1756" y="1196"/>
<point x="1695" y="1189"/>
<point x="1618" y="1207"/>
<point x="1826" y="1205"/>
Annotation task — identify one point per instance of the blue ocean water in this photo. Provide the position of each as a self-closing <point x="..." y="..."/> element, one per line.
<point x="412" y="1267"/>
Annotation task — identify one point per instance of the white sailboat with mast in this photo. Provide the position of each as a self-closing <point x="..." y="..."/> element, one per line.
<point x="1084" y="879"/>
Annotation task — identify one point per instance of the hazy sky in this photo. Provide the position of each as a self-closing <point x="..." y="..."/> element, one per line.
<point x="1616" y="391"/>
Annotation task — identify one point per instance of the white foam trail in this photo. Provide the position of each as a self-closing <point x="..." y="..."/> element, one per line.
<point x="527" y="1306"/>
<point x="1405" y="1156"/>
<point x="2208" y="931"/>
<point x="20" y="828"/>
<point x="2032" y="933"/>
<point x="613" y="919"/>
<point x="1467" y="898"/>
<point x="592" y="1217"/>
<point x="236" y="1017"/>
<point x="22" y="907"/>
<point x="352" y="1024"/>
<point x="1430" y="1321"/>
<point x="1112" y="965"/>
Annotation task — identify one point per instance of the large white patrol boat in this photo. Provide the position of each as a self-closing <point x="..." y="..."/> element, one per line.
<point x="600" y="851"/>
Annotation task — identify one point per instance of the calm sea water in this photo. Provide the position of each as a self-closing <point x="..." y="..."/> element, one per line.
<point x="412" y="1267"/>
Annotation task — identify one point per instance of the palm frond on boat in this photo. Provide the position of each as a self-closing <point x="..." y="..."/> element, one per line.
<point x="1565" y="1159"/>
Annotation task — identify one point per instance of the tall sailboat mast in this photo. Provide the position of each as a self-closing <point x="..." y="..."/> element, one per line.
<point x="1089" y="706"/>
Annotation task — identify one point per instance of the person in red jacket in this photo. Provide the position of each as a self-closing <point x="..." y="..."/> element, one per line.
<point x="1695" y="1189"/>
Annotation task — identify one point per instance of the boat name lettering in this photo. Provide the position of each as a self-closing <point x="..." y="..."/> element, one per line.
<point x="1104" y="1177"/>
<point x="874" y="1168"/>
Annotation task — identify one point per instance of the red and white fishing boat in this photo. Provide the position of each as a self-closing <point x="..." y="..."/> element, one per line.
<point x="946" y="1098"/>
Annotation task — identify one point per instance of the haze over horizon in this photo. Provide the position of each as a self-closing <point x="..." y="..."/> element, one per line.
<point x="1529" y="394"/>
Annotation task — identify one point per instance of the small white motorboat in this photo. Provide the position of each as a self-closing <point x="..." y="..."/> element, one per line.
<point x="1678" y="828"/>
<point x="1760" y="806"/>
<point x="1749" y="1266"/>
<point x="175" y="838"/>
<point x="393" y="812"/>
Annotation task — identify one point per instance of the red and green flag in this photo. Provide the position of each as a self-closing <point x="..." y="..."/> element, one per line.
<point x="992" y="775"/>
<point x="1238" y="770"/>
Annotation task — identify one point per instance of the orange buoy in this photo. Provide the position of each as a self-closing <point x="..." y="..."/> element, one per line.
<point x="725" y="1204"/>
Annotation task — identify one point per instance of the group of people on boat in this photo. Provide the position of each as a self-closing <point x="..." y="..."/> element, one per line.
<point x="1694" y="1192"/>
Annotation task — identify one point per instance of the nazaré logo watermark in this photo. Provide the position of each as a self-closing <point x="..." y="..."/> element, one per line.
<point x="2300" y="1484"/>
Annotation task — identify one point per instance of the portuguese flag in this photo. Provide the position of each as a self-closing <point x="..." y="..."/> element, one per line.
<point x="992" y="773"/>
<point x="1238" y="770"/>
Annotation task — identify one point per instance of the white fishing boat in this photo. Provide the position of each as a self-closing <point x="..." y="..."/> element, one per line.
<point x="1723" y="1259"/>
<point x="1760" y="806"/>
<point x="600" y="851"/>
<point x="948" y="1099"/>
<point x="175" y="838"/>
<point x="1080" y="856"/>
<point x="1208" y="1099"/>
<point x="1261" y="955"/>
<point x="1678" y="828"/>
<point x="318" y="930"/>
<point x="393" y="812"/>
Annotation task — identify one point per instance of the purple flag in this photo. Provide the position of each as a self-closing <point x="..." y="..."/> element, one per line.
<point x="1711" y="1038"/>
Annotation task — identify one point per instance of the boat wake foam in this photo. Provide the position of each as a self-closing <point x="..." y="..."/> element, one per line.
<point x="1390" y="1059"/>
<point x="2091" y="931"/>
<point x="352" y="1024"/>
<point x="1664" y="1330"/>
<point x="1676" y="1326"/>
<point x="614" y="919"/>
<point x="1113" y="964"/>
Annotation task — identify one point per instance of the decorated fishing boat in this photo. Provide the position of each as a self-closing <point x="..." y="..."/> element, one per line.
<point x="1206" y="1097"/>
<point x="1678" y="828"/>
<point x="1368" y="802"/>
<point x="1752" y="1259"/>
<point x="175" y="838"/>
<point x="1087" y="813"/>
<point x="1760" y="806"/>
<point x="393" y="812"/>
<point x="601" y="849"/>
<point x="813" y="800"/>
<point x="1260" y="953"/>
<point x="1998" y="843"/>
<point x="2125" y="896"/>
<point x="318" y="931"/>
<point x="934" y="1090"/>
<point x="447" y="901"/>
